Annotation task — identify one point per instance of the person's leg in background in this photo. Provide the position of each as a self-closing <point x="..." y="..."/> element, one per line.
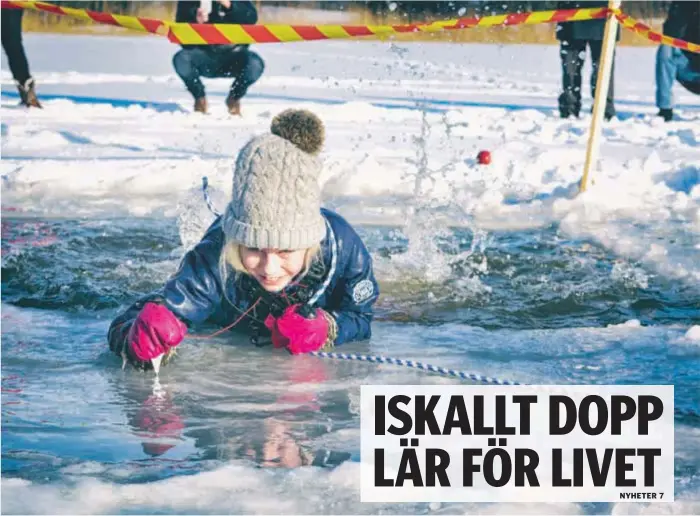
<point x="666" y="69"/>
<point x="596" y="49"/>
<point x="191" y="64"/>
<point x="17" y="59"/>
<point x="572" y="54"/>
<point x="246" y="68"/>
<point x="687" y="74"/>
<point x="671" y="65"/>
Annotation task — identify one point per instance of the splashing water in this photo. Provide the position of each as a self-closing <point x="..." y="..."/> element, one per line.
<point x="435" y="265"/>
<point x="195" y="217"/>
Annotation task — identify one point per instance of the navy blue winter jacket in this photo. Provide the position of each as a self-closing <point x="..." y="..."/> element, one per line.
<point x="342" y="283"/>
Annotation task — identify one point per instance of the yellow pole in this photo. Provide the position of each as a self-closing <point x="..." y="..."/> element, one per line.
<point x="601" y="93"/>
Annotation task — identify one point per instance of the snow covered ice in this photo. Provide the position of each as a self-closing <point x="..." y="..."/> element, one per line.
<point x="374" y="103"/>
<point x="101" y="191"/>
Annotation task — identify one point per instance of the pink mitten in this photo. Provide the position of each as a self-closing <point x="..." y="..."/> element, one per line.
<point x="278" y="340"/>
<point x="155" y="331"/>
<point x="304" y="334"/>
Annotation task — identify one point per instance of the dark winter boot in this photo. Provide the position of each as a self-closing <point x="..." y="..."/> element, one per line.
<point x="200" y="105"/>
<point x="234" y="105"/>
<point x="27" y="94"/>
<point x="609" y="112"/>
<point x="569" y="105"/>
<point x="666" y="114"/>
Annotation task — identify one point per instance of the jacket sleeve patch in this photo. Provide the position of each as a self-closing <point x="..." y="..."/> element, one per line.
<point x="362" y="291"/>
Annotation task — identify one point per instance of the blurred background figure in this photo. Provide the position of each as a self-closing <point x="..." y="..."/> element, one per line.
<point x="17" y="59"/>
<point x="215" y="61"/>
<point x="574" y="37"/>
<point x="674" y="64"/>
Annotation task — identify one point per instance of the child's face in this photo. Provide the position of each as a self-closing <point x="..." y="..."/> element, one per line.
<point x="274" y="269"/>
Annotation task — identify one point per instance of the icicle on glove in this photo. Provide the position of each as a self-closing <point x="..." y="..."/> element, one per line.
<point x="155" y="331"/>
<point x="300" y="334"/>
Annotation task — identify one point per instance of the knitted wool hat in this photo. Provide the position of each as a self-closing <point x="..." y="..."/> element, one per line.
<point x="276" y="200"/>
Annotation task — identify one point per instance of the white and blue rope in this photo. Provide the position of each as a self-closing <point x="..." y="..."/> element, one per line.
<point x="688" y="412"/>
<point x="334" y="264"/>
<point x="415" y="365"/>
<point x="207" y="198"/>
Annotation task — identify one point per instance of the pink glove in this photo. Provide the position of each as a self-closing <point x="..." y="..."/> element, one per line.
<point x="278" y="340"/>
<point x="297" y="333"/>
<point x="155" y="331"/>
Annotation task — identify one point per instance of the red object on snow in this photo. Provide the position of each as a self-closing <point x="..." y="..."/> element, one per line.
<point x="484" y="157"/>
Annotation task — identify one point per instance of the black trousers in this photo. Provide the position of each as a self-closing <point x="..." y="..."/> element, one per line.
<point x="12" y="44"/>
<point x="573" y="53"/>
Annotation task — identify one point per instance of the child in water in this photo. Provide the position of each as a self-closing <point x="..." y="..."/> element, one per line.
<point x="275" y="265"/>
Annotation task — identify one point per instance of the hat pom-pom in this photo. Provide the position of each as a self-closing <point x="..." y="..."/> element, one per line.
<point x="302" y="128"/>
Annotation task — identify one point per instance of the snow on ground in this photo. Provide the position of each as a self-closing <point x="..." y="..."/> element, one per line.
<point x="405" y="121"/>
